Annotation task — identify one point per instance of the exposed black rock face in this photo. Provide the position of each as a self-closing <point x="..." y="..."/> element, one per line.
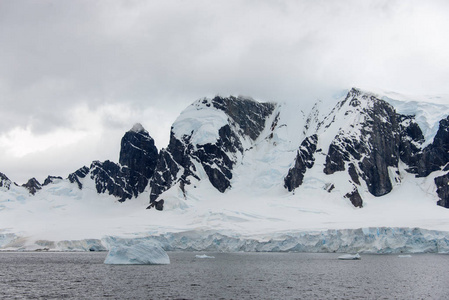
<point x="158" y="205"/>
<point x="353" y="174"/>
<point x="250" y="115"/>
<point x="176" y="158"/>
<point x="138" y="151"/>
<point x="442" y="184"/>
<point x="77" y="175"/>
<point x="32" y="185"/>
<point x="176" y="164"/>
<point x="215" y="159"/>
<point x="4" y="181"/>
<point x="50" y="179"/>
<point x="304" y="159"/>
<point x="165" y="175"/>
<point x="355" y="198"/>
<point x="411" y="140"/>
<point x="109" y="178"/>
<point x="436" y="155"/>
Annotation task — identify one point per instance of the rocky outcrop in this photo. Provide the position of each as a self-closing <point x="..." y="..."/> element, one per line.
<point x="442" y="183"/>
<point x="355" y="197"/>
<point x="304" y="160"/>
<point x="4" y="181"/>
<point x="79" y="174"/>
<point x="32" y="186"/>
<point x="51" y="179"/>
<point x="109" y="178"/>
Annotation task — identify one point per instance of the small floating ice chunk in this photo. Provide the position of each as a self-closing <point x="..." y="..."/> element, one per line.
<point x="350" y="257"/>
<point x="404" y="256"/>
<point x="203" y="256"/>
<point x="147" y="252"/>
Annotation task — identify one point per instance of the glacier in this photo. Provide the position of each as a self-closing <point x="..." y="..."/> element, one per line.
<point x="135" y="252"/>
<point x="363" y="240"/>
<point x="151" y="249"/>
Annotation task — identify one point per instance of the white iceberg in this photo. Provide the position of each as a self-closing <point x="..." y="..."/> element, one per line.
<point x="350" y="257"/>
<point x="404" y="256"/>
<point x="142" y="252"/>
<point x="203" y="256"/>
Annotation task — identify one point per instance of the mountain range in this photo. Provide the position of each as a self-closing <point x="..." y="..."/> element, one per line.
<point x="364" y="145"/>
<point x="237" y="166"/>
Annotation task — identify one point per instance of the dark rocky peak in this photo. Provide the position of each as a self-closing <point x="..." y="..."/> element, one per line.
<point x="77" y="175"/>
<point x="32" y="185"/>
<point x="366" y="143"/>
<point x="210" y="133"/>
<point x="249" y="114"/>
<point x="176" y="164"/>
<point x="51" y="179"/>
<point x="369" y="139"/>
<point x="138" y="151"/>
<point x="4" y="181"/>
<point x="353" y="103"/>
<point x="129" y="178"/>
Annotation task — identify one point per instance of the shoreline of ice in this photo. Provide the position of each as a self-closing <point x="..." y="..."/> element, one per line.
<point x="374" y="240"/>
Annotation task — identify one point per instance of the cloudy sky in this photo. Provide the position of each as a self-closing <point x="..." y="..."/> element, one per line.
<point x="75" y="75"/>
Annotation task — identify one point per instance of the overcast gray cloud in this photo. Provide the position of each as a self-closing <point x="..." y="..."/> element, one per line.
<point x="75" y="75"/>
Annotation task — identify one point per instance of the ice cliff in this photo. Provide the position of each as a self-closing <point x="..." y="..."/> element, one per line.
<point x="151" y="249"/>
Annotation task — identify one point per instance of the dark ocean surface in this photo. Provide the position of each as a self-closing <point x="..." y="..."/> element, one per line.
<point x="42" y="275"/>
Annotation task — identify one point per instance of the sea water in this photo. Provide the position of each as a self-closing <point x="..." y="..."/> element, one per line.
<point x="53" y="275"/>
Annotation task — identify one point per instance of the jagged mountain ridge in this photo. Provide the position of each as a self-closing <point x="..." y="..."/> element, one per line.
<point x="362" y="146"/>
<point x="124" y="180"/>
<point x="196" y="145"/>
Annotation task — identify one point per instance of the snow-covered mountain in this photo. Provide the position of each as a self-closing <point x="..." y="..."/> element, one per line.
<point x="232" y="163"/>
<point x="362" y="146"/>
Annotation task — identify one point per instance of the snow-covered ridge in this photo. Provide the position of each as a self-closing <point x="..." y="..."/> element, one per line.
<point x="428" y="110"/>
<point x="201" y="121"/>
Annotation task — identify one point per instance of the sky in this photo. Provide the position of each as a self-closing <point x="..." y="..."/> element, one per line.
<point x="76" y="75"/>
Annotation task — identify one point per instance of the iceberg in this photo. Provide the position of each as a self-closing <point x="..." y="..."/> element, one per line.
<point x="137" y="252"/>
<point x="203" y="256"/>
<point x="350" y="257"/>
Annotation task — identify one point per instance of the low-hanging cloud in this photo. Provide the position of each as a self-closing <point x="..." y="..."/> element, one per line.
<point x="112" y="63"/>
